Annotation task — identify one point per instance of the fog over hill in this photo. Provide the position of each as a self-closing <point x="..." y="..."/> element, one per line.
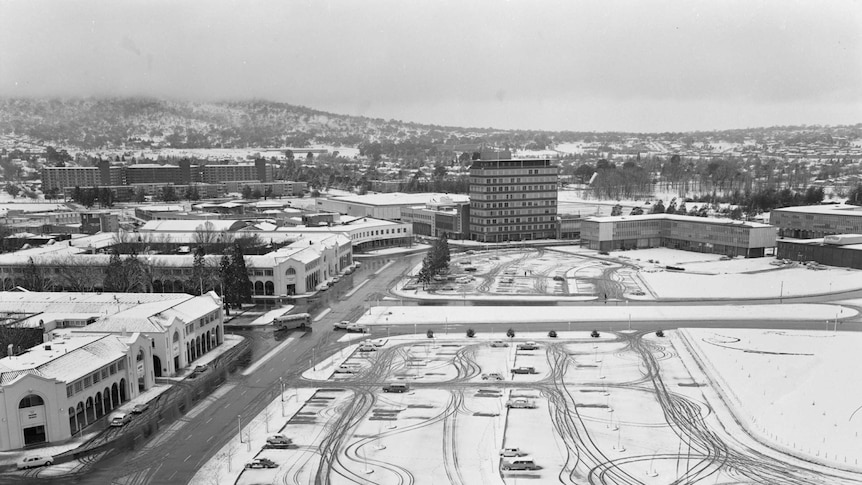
<point x="93" y="123"/>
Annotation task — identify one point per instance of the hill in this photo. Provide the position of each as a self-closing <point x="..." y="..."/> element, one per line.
<point x="139" y="123"/>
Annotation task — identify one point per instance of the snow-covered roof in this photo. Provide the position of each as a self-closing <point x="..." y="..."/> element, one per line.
<point x="81" y="303"/>
<point x="681" y="218"/>
<point x="832" y="209"/>
<point x="191" y="225"/>
<point x="66" y="358"/>
<point x="399" y="198"/>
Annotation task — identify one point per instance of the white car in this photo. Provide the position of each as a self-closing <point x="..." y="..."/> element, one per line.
<point x="34" y="461"/>
<point x="366" y="347"/>
<point x="357" y="328"/>
<point x="342" y="325"/>
<point x="509" y="452"/>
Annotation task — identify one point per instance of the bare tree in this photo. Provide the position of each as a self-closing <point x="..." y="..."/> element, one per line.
<point x="77" y="274"/>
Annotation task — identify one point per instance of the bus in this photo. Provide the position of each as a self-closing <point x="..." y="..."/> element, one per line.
<point x="296" y="320"/>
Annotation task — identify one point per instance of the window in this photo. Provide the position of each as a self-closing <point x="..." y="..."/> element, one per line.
<point x="104" y="373"/>
<point x="88" y="381"/>
<point x="70" y="391"/>
<point x="113" y="369"/>
<point x="96" y="377"/>
<point x="30" y="400"/>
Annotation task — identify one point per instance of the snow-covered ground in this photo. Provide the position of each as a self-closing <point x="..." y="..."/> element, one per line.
<point x="621" y="407"/>
<point x="791" y="388"/>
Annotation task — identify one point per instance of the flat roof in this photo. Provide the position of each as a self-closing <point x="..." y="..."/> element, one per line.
<point x="819" y="242"/>
<point x="399" y="198"/>
<point x="681" y="218"/>
<point x="833" y="209"/>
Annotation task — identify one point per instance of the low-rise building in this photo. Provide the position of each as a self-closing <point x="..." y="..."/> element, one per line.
<point x="817" y="221"/>
<point x="54" y="390"/>
<point x="837" y="250"/>
<point x="700" y="234"/>
<point x="381" y="206"/>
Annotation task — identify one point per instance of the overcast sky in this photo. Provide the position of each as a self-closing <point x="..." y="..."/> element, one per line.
<point x="639" y="65"/>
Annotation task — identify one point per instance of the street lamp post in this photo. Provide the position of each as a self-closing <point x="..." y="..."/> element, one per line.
<point x="239" y="426"/>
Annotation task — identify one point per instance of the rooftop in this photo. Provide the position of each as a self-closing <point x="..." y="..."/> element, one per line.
<point x="842" y="209"/>
<point x="65" y="358"/>
<point x="681" y="218"/>
<point x="399" y="198"/>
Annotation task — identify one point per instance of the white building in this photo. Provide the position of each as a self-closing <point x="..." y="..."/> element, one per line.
<point x="55" y="389"/>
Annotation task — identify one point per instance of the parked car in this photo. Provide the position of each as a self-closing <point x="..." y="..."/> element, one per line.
<point x="366" y="347"/>
<point x="34" y="460"/>
<point x="499" y="343"/>
<point x="278" y="439"/>
<point x="520" y="404"/>
<point x="139" y="408"/>
<point x="559" y="278"/>
<point x="342" y="325"/>
<point x="492" y="377"/>
<point x="594" y="334"/>
<point x="378" y="342"/>
<point x="519" y="463"/>
<point x="509" y="452"/>
<point x="528" y="346"/>
<point x="354" y="328"/>
<point x="524" y="370"/>
<point x="345" y="369"/>
<point x="120" y="419"/>
<point x="396" y="387"/>
<point x="261" y="463"/>
<point x="201" y="369"/>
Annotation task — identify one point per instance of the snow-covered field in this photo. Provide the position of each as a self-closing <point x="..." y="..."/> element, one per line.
<point x="570" y="272"/>
<point x="626" y="407"/>
<point x="791" y="388"/>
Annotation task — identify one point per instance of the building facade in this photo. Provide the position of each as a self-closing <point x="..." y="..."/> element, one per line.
<point x="844" y="251"/>
<point x="60" y="387"/>
<point x="689" y="233"/>
<point x="513" y="200"/>
<point x="217" y="173"/>
<point x="816" y="221"/>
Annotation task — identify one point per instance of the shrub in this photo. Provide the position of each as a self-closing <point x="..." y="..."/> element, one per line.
<point x="429" y="333"/>
<point x="510" y="333"/>
<point x="552" y="334"/>
<point x="471" y="333"/>
<point x="594" y="334"/>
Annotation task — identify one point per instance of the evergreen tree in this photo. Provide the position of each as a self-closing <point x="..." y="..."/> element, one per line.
<point x="234" y="275"/>
<point x="681" y="209"/>
<point x="658" y="207"/>
<point x="617" y="210"/>
<point x="671" y="208"/>
<point x="637" y="211"/>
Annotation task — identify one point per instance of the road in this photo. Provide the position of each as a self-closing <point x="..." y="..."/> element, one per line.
<point x="183" y="446"/>
<point x="174" y="454"/>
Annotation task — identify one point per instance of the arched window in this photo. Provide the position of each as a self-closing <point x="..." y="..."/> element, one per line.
<point x="30" y="400"/>
<point x="258" y="287"/>
<point x="290" y="272"/>
<point x="176" y="336"/>
<point x="269" y="288"/>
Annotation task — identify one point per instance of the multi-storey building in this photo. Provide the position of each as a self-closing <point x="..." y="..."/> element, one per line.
<point x="701" y="234"/>
<point x="513" y="199"/>
<point x="438" y="217"/>
<point x="62" y="177"/>
<point x="816" y="221"/>
<point x="153" y="173"/>
<point x="217" y="173"/>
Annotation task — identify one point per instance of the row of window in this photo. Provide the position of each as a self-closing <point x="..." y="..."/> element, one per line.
<point x="95" y="377"/>
<point x="260" y="272"/>
<point x="529" y="227"/>
<point x="379" y="232"/>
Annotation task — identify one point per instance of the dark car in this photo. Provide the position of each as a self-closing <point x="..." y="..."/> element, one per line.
<point x="396" y="387"/>
<point x="261" y="463"/>
<point x="524" y="370"/>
